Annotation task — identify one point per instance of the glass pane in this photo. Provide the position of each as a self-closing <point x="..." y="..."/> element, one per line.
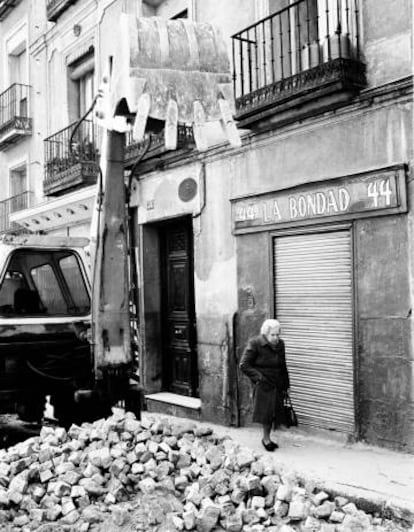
<point x="74" y="279"/>
<point x="12" y="283"/>
<point x="48" y="287"/>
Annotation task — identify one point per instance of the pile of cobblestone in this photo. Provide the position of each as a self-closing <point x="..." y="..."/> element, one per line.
<point x="178" y="477"/>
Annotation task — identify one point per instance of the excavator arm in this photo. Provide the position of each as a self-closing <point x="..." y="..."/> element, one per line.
<point x="174" y="71"/>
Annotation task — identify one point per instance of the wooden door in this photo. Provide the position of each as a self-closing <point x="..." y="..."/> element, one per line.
<point x="180" y="354"/>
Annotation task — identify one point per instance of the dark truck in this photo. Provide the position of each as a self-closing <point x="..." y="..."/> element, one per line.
<point x="45" y="316"/>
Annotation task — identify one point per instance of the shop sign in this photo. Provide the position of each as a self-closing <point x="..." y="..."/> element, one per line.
<point x="351" y="197"/>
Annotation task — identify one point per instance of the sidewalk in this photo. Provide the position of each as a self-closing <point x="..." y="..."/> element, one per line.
<point x="370" y="475"/>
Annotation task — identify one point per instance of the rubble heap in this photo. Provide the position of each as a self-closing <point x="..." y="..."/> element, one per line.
<point x="182" y="477"/>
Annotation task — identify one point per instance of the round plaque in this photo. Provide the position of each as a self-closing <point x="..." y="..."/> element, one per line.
<point x="187" y="189"/>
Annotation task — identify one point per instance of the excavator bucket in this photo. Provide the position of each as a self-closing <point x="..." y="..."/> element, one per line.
<point x="177" y="71"/>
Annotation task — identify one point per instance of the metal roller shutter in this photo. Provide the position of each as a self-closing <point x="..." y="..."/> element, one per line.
<point x="313" y="290"/>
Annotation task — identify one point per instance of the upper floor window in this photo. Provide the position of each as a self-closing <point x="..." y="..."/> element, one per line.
<point x="18" y="66"/>
<point x="81" y="84"/>
<point x="18" y="188"/>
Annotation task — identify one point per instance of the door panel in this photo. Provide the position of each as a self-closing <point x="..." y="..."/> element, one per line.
<point x="180" y="356"/>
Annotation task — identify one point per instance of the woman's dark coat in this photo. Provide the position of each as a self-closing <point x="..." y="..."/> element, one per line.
<point x="265" y="365"/>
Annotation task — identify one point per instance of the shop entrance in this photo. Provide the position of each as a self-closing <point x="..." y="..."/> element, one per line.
<point x="314" y="303"/>
<point x="180" y="371"/>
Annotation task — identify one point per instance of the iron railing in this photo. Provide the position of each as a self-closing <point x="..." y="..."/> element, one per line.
<point x="14" y="106"/>
<point x="153" y="144"/>
<point x="299" y="37"/>
<point x="10" y="205"/>
<point x="65" y="149"/>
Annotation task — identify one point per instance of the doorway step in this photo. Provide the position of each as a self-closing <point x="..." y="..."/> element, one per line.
<point x="174" y="405"/>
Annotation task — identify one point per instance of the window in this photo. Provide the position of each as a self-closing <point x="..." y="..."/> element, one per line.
<point x="12" y="282"/>
<point x="48" y="289"/>
<point x="76" y="284"/>
<point x="17" y="102"/>
<point x="81" y="95"/>
<point x="18" y="189"/>
<point x="81" y="88"/>
<point x="18" y="65"/>
<point x="45" y="283"/>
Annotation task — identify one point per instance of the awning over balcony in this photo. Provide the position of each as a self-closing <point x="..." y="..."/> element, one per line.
<point x="69" y="210"/>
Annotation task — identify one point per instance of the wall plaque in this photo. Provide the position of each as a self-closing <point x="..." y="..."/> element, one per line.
<point x="187" y="189"/>
<point x="356" y="196"/>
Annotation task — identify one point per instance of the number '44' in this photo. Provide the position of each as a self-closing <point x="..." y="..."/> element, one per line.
<point x="380" y="189"/>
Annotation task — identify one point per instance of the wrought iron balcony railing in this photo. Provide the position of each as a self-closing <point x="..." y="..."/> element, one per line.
<point x="10" y="205"/>
<point x="15" y="120"/>
<point x="54" y="8"/>
<point x="6" y="6"/>
<point x="296" y="50"/>
<point x="152" y="148"/>
<point x="71" y="158"/>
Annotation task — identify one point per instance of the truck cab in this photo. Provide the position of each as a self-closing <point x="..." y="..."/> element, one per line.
<point x="45" y="316"/>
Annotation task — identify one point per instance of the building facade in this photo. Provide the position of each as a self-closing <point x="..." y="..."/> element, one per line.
<point x="309" y="221"/>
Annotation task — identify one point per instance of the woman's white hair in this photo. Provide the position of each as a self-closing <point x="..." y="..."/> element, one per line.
<point x="267" y="325"/>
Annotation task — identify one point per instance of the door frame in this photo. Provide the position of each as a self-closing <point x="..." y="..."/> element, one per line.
<point x="166" y="362"/>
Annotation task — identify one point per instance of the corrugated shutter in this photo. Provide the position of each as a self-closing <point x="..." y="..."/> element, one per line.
<point x="313" y="290"/>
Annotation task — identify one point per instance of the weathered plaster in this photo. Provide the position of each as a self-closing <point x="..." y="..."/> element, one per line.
<point x="364" y="140"/>
<point x="388" y="59"/>
<point x="384" y="331"/>
<point x="213" y="241"/>
<point x="157" y="195"/>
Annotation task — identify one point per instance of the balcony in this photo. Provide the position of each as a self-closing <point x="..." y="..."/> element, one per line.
<point x="6" y="6"/>
<point x="152" y="149"/>
<point x="15" y="122"/>
<point x="71" y="158"/>
<point x="54" y="8"/>
<point x="298" y="61"/>
<point x="10" y="205"/>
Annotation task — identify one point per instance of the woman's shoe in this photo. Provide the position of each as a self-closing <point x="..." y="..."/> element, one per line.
<point x="271" y="446"/>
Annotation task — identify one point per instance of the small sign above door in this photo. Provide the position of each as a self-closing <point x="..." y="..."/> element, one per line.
<point x="356" y="196"/>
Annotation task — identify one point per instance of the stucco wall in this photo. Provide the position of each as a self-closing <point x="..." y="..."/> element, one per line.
<point x="215" y="292"/>
<point x="387" y="40"/>
<point x="359" y="140"/>
<point x="384" y="322"/>
<point x="343" y="144"/>
<point x="253" y="271"/>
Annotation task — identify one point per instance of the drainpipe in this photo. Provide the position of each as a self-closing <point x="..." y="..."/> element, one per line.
<point x="236" y="370"/>
<point x="230" y="389"/>
<point x="226" y="370"/>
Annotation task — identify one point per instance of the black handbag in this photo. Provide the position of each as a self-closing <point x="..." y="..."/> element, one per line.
<point x="291" y="419"/>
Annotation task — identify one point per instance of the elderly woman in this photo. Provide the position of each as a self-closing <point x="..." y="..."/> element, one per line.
<point x="263" y="361"/>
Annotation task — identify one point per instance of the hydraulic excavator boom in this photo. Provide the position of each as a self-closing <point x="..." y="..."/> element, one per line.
<point x="173" y="71"/>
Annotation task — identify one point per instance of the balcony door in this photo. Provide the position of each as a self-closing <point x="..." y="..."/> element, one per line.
<point x="81" y="95"/>
<point x="18" y="189"/>
<point x="17" y="60"/>
<point x="294" y="29"/>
